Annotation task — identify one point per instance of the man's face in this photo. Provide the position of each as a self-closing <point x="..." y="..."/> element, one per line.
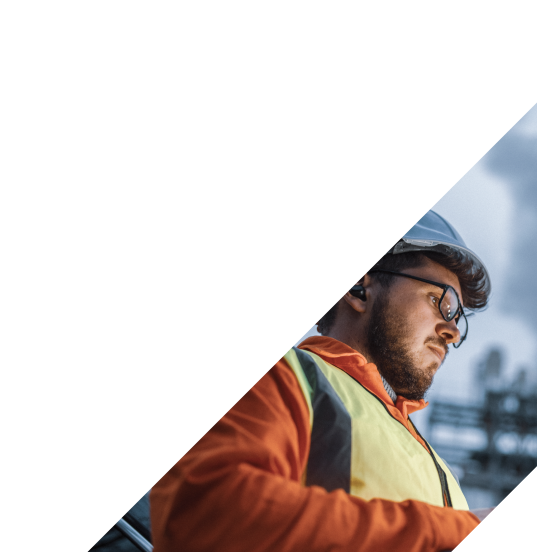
<point x="407" y="338"/>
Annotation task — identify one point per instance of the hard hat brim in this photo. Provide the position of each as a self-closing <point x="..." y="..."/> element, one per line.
<point x="406" y="245"/>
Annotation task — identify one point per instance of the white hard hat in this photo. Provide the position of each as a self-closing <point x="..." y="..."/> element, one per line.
<point x="434" y="233"/>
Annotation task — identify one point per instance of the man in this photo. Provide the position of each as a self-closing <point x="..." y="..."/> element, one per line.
<point x="321" y="454"/>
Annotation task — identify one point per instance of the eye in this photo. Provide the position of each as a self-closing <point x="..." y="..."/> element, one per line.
<point x="434" y="300"/>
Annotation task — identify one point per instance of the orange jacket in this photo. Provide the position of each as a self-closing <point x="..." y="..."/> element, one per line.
<point x="240" y="487"/>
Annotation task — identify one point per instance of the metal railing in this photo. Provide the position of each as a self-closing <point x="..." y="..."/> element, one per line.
<point x="134" y="536"/>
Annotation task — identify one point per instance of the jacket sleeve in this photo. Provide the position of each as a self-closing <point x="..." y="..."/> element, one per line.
<point x="239" y="489"/>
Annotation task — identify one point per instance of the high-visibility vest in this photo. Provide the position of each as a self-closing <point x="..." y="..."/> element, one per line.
<point x="358" y="446"/>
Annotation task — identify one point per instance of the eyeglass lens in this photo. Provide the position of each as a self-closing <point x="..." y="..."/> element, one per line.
<point x="450" y="304"/>
<point x="450" y="308"/>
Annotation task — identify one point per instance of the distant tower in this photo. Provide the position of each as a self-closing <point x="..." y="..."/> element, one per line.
<point x="489" y="374"/>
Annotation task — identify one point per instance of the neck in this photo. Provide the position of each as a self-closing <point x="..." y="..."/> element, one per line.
<point x="354" y="340"/>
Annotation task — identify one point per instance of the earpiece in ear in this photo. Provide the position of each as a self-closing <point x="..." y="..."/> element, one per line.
<point x="358" y="291"/>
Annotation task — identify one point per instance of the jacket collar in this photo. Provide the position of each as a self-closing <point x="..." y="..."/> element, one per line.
<point x="355" y="365"/>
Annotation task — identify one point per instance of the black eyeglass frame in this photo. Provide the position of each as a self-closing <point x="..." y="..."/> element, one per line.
<point x="445" y="287"/>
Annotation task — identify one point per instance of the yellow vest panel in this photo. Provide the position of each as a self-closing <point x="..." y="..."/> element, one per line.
<point x="358" y="446"/>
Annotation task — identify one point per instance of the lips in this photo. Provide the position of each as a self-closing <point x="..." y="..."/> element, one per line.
<point x="438" y="351"/>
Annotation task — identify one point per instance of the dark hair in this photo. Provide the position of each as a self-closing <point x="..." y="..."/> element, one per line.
<point x="474" y="284"/>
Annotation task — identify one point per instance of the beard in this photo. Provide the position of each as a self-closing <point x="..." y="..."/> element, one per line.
<point x="388" y="347"/>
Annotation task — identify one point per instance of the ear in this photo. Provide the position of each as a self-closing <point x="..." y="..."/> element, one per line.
<point x="357" y="299"/>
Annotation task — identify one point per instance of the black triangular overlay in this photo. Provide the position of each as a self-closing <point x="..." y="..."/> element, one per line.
<point x="259" y="286"/>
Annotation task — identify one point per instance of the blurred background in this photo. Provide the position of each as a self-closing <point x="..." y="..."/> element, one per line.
<point x="482" y="416"/>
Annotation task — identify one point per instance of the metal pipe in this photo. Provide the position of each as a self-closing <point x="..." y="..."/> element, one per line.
<point x="130" y="532"/>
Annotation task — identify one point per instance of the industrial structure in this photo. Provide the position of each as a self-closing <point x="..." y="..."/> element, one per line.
<point x="492" y="444"/>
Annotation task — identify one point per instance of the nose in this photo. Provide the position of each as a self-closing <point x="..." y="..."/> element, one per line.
<point x="448" y="331"/>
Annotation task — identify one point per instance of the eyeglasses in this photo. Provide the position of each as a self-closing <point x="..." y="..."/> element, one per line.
<point x="449" y="304"/>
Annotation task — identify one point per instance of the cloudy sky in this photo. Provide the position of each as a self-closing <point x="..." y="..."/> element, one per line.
<point x="494" y="208"/>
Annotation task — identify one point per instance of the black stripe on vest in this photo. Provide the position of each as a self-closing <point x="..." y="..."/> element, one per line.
<point x="329" y="462"/>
